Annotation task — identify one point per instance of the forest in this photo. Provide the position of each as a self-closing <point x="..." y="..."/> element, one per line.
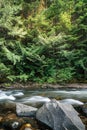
<point x="43" y="41"/>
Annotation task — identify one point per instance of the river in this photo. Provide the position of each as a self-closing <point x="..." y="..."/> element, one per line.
<point x="44" y="95"/>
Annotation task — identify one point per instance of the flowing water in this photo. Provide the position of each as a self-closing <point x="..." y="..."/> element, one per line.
<point x="72" y="96"/>
<point x="36" y="98"/>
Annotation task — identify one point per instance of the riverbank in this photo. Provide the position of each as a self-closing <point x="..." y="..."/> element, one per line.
<point x="41" y="86"/>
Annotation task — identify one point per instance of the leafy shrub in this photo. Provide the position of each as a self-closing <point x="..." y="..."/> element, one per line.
<point x="65" y="74"/>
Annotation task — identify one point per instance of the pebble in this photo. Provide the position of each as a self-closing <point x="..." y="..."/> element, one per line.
<point x="15" y="125"/>
<point x="1" y="118"/>
<point x="26" y="127"/>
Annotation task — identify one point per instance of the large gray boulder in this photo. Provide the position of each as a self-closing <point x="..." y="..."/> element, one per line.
<point x="59" y="116"/>
<point x="25" y="110"/>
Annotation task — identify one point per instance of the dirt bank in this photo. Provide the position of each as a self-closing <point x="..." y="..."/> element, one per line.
<point x="41" y="86"/>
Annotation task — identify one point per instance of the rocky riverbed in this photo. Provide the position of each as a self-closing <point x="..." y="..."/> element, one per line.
<point x="9" y="120"/>
<point x="30" y="94"/>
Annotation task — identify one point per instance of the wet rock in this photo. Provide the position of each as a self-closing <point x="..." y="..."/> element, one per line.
<point x="84" y="110"/>
<point x="15" y="125"/>
<point x="59" y="116"/>
<point x="11" y="122"/>
<point x="26" y="127"/>
<point x="18" y="94"/>
<point x="10" y="116"/>
<point x="84" y="119"/>
<point x="7" y="106"/>
<point x="24" y="110"/>
<point x="1" y="118"/>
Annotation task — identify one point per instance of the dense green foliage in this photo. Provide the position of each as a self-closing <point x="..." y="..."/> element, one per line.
<point x="43" y="41"/>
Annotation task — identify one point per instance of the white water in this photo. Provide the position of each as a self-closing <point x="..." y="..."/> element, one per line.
<point x="3" y="96"/>
<point x="35" y="99"/>
<point x="72" y="102"/>
<point x="27" y="96"/>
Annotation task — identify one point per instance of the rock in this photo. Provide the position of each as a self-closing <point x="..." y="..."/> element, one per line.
<point x="11" y="124"/>
<point x="24" y="110"/>
<point x="26" y="127"/>
<point x="10" y="116"/>
<point x="15" y="125"/>
<point x="7" y="106"/>
<point x="84" y="110"/>
<point x="72" y="102"/>
<point x="59" y="116"/>
<point x="18" y="94"/>
<point x="1" y="118"/>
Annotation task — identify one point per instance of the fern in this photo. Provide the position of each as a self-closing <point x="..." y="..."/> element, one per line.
<point x="13" y="58"/>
